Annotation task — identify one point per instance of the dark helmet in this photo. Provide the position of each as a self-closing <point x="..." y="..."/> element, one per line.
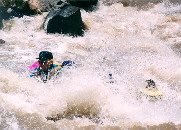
<point x="45" y="55"/>
<point x="150" y="82"/>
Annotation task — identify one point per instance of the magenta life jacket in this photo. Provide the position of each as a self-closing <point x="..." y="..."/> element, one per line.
<point x="35" y="65"/>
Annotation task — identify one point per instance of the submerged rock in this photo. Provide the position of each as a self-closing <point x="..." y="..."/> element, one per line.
<point x="66" y="20"/>
<point x="2" y="41"/>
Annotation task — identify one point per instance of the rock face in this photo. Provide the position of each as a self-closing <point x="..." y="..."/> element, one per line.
<point x="43" y="5"/>
<point x="46" y="5"/>
<point x="15" y="9"/>
<point x="19" y="6"/>
<point x="66" y="20"/>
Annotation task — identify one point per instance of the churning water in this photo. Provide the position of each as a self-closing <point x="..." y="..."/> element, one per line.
<point x="132" y="44"/>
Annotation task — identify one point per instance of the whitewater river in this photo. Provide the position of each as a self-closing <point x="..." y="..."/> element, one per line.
<point x="133" y="45"/>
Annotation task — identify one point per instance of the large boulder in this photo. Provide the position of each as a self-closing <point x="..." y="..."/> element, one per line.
<point x="66" y="20"/>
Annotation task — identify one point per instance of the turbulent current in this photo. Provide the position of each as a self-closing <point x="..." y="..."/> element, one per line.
<point x="133" y="44"/>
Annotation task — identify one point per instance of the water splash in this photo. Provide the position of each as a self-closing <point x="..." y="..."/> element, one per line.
<point x="131" y="44"/>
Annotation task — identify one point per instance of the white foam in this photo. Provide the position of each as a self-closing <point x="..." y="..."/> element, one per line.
<point x="132" y="45"/>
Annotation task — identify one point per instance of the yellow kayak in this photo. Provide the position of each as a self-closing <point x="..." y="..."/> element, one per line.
<point x="151" y="93"/>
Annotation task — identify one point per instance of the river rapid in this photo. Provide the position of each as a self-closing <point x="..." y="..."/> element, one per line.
<point x="133" y="44"/>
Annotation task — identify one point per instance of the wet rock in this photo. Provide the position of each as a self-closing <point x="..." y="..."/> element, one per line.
<point x="16" y="9"/>
<point x="27" y="9"/>
<point x="66" y="20"/>
<point x="1" y="22"/>
<point x="20" y="7"/>
<point x="47" y="5"/>
<point x="125" y="4"/>
<point x="87" y="5"/>
<point x="43" y="5"/>
<point x="2" y="41"/>
<point x="8" y="12"/>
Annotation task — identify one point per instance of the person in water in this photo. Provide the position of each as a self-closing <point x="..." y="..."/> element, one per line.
<point x="151" y="85"/>
<point x="45" y="68"/>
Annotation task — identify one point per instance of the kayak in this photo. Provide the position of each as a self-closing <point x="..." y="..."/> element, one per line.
<point x="152" y="94"/>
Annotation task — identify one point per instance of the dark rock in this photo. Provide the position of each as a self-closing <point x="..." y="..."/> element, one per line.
<point x="9" y="11"/>
<point x="47" y="5"/>
<point x="43" y="5"/>
<point x="87" y="5"/>
<point x="1" y="22"/>
<point x="26" y="10"/>
<point x="125" y="4"/>
<point x="2" y="41"/>
<point x="67" y="20"/>
<point x="18" y="9"/>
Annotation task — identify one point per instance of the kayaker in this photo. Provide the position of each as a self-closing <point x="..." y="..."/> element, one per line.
<point x="46" y="68"/>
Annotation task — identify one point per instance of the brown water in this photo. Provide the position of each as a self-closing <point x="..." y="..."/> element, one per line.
<point x="133" y="45"/>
